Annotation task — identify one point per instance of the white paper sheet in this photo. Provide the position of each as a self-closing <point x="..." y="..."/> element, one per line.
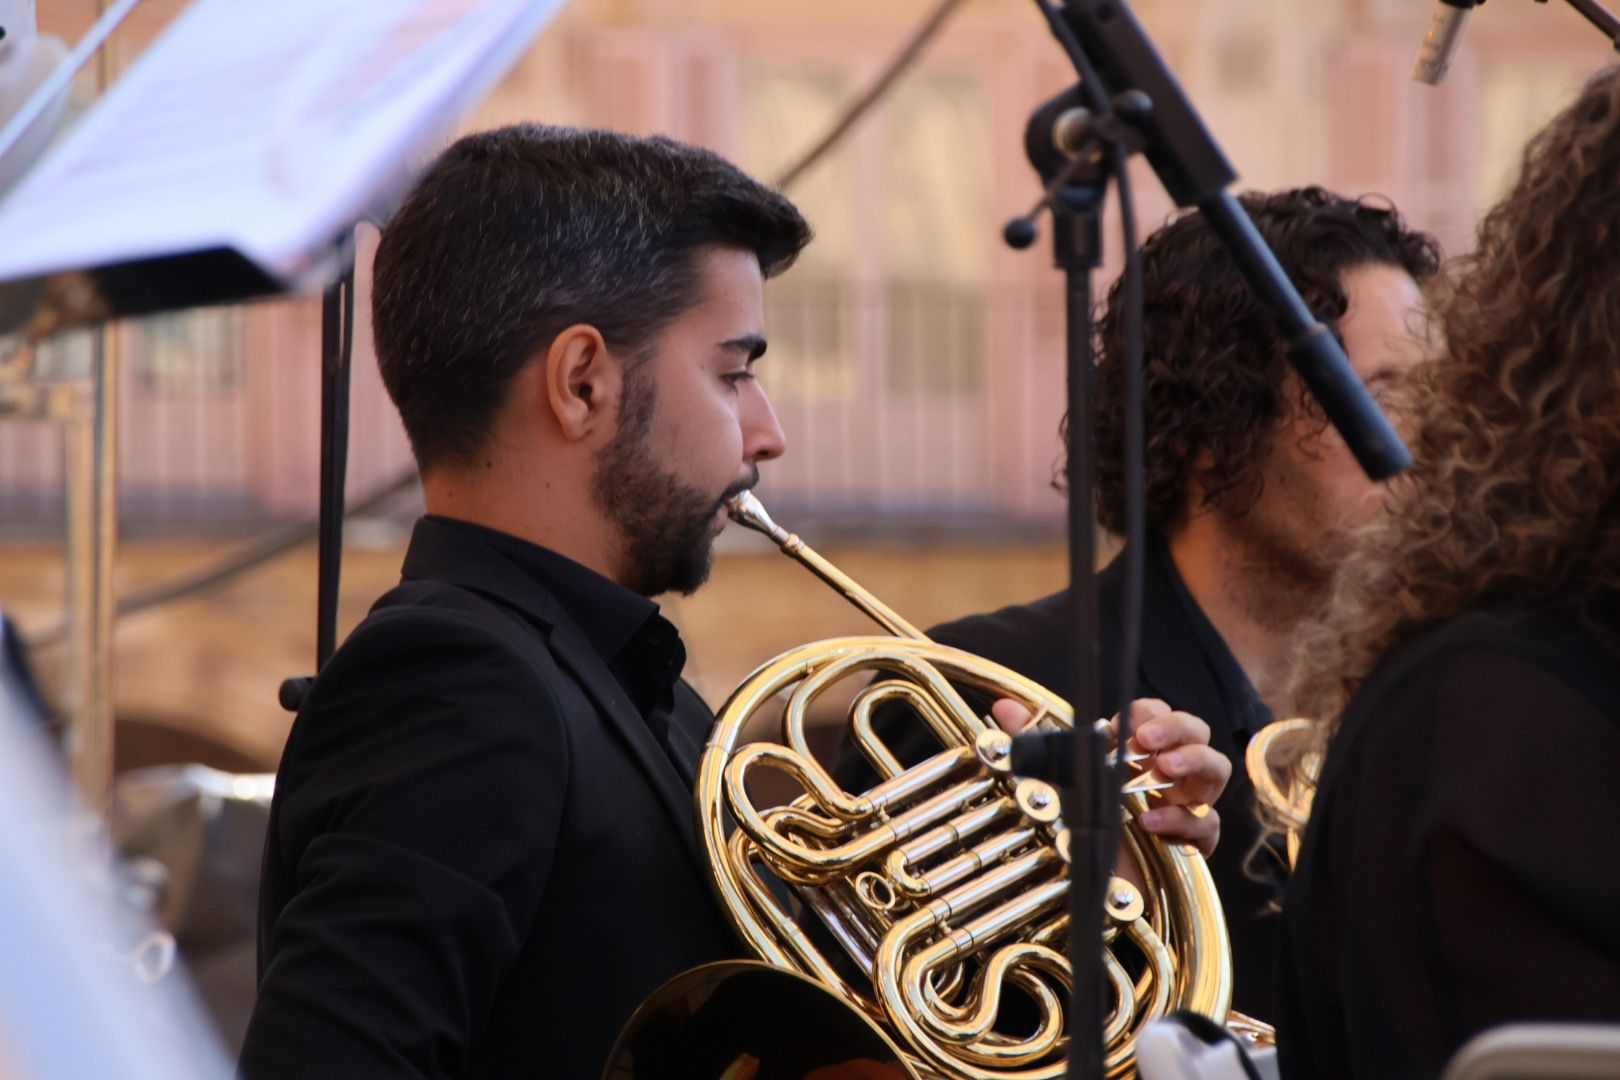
<point x="70" y="1007"/>
<point x="267" y="127"/>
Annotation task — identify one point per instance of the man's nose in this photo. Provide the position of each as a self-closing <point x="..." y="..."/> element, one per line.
<point x="762" y="432"/>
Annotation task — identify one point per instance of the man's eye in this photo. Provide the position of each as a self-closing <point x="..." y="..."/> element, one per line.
<point x="735" y="377"/>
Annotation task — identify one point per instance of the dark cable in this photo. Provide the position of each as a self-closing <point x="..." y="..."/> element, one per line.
<point x="1599" y="16"/>
<point x="852" y="114"/>
<point x="1091" y="83"/>
<point x="251" y="555"/>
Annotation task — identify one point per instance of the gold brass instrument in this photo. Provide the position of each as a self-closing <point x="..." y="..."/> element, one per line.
<point x="1278" y="787"/>
<point x="943" y="886"/>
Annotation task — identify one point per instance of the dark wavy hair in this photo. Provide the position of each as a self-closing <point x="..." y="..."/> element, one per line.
<point x="1514" y="498"/>
<point x="1215" y="367"/>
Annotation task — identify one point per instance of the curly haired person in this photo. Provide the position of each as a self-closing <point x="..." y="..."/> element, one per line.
<point x="1456" y="871"/>
<point x="1250" y="495"/>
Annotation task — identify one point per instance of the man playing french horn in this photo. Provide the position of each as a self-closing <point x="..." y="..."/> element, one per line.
<point x="1251" y="496"/>
<point x="482" y="854"/>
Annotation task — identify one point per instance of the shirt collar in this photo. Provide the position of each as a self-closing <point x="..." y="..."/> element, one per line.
<point x="1247" y="711"/>
<point x="617" y="622"/>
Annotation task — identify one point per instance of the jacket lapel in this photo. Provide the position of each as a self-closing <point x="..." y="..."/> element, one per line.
<point x="445" y="553"/>
<point x="574" y="653"/>
<point x="686" y="744"/>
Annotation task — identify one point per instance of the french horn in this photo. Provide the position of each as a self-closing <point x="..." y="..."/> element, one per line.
<point x="1283" y="771"/>
<point x="928" y="903"/>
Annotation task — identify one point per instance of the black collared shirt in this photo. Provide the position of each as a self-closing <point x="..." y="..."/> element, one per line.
<point x="641" y="647"/>
<point x="468" y="806"/>
<point x="1245" y="712"/>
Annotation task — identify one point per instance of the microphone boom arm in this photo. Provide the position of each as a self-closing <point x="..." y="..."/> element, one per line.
<point x="1104" y="37"/>
<point x="1599" y="16"/>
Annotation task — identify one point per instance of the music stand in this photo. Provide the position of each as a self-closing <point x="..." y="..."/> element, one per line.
<point x="233" y="160"/>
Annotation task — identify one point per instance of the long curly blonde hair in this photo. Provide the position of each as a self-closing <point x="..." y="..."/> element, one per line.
<point x="1514" y="497"/>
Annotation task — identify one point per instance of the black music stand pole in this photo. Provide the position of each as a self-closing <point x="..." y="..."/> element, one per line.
<point x="337" y="347"/>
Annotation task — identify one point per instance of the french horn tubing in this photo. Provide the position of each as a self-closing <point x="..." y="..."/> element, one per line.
<point x="934" y="903"/>
<point x="1284" y="790"/>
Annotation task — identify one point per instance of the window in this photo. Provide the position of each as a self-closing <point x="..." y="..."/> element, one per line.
<point x="806" y="311"/>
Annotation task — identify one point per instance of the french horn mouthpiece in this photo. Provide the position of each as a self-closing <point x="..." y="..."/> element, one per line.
<point x="746" y="509"/>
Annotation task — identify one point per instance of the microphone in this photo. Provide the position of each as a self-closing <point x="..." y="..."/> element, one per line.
<point x="1440" y="43"/>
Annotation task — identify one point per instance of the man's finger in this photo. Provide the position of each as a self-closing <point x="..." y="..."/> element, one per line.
<point x="1179" y="825"/>
<point x="1167" y="728"/>
<point x="1010" y="716"/>
<point x="1200" y="773"/>
<point x="1141" y="711"/>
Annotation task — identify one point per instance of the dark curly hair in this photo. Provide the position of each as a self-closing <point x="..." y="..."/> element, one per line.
<point x="1216" y="369"/>
<point x="1513" y="499"/>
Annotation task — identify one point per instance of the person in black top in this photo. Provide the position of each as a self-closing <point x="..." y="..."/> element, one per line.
<point x="481" y="854"/>
<point x="1456" y="871"/>
<point x="1250" y="495"/>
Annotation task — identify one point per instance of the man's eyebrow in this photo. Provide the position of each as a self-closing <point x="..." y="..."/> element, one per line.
<point x="752" y="344"/>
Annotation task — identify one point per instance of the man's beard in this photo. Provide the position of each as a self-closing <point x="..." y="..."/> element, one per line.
<point x="667" y="525"/>
<point x="1287" y="553"/>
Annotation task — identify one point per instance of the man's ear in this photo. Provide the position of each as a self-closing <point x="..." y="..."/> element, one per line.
<point x="1193" y="491"/>
<point x="582" y="382"/>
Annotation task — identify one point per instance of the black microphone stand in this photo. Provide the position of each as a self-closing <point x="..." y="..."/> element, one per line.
<point x="1132" y="101"/>
<point x="1075" y="187"/>
<point x="1195" y="172"/>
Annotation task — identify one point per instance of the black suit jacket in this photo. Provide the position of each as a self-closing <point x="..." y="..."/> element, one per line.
<point x="1036" y="640"/>
<point x="480" y="860"/>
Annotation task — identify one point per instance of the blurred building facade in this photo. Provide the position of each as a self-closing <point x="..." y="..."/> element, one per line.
<point x="916" y="361"/>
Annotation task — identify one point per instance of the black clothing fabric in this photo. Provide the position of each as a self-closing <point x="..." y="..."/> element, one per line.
<point x="1185" y="662"/>
<point x="1242" y="710"/>
<point x="1457" y="871"/>
<point x="480" y="859"/>
<point x="641" y="647"/>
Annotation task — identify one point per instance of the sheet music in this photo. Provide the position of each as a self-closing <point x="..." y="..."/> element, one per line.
<point x="71" y="1004"/>
<point x="269" y="128"/>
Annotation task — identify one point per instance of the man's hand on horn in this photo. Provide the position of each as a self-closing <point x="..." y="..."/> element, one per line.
<point x="1178" y="747"/>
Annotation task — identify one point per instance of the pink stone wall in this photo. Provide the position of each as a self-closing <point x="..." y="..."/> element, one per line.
<point x="916" y="362"/>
